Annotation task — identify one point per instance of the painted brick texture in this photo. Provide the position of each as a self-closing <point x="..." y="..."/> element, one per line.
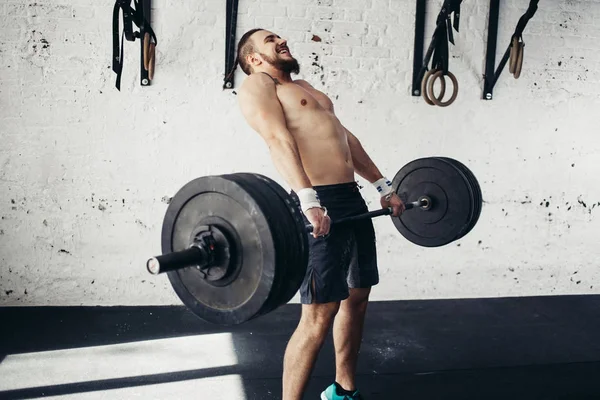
<point x="86" y="171"/>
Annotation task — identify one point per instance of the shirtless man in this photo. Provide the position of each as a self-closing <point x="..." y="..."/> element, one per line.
<point x="317" y="156"/>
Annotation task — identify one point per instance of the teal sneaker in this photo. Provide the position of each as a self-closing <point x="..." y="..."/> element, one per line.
<point x="331" y="394"/>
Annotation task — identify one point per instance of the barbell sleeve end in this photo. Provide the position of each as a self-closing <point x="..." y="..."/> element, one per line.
<point x="193" y="256"/>
<point x="153" y="266"/>
<point x="424" y="202"/>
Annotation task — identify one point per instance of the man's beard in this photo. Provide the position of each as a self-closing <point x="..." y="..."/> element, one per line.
<point x="288" y="66"/>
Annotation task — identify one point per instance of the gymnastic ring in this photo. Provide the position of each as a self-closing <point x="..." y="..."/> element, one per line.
<point x="151" y="60"/>
<point x="424" y="87"/>
<point x="437" y="101"/>
<point x="514" y="54"/>
<point x="146" y="50"/>
<point x="519" y="62"/>
<point x="430" y="86"/>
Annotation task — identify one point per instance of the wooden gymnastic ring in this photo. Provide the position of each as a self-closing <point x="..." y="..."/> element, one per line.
<point x="151" y="60"/>
<point x="514" y="54"/>
<point x="146" y="50"/>
<point x="519" y="63"/>
<point x="437" y="101"/>
<point x="424" y="86"/>
<point x="430" y="86"/>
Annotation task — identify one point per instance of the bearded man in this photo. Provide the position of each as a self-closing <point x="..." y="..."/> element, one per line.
<point x="318" y="157"/>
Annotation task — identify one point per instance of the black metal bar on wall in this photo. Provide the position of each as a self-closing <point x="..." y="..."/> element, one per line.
<point x="491" y="75"/>
<point x="230" y="32"/>
<point x="490" y="58"/>
<point x="418" y="46"/>
<point x="146" y="12"/>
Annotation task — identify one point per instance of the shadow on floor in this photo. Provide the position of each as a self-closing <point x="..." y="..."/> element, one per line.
<point x="517" y="348"/>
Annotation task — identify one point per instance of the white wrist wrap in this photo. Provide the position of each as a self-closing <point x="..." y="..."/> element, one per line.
<point x="308" y="199"/>
<point x="383" y="186"/>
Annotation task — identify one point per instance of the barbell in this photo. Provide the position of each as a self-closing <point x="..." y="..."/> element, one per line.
<point x="235" y="246"/>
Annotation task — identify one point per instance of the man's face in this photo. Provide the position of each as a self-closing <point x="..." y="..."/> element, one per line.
<point x="274" y="51"/>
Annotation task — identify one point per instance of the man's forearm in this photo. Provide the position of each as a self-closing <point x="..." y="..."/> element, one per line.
<point x="286" y="159"/>
<point x="363" y="165"/>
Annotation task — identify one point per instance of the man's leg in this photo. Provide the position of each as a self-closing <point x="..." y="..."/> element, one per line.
<point x="348" y="325"/>
<point x="347" y="336"/>
<point x="304" y="346"/>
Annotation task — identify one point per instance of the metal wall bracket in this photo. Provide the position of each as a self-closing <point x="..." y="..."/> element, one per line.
<point x="418" y="46"/>
<point x="230" y="32"/>
<point x="146" y="13"/>
<point x="491" y="76"/>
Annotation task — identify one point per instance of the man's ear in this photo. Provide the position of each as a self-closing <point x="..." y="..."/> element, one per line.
<point x="254" y="59"/>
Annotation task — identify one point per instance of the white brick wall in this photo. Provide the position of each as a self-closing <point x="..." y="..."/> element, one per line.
<point x="85" y="169"/>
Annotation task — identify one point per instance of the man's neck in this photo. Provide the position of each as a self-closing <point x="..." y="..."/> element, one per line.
<point x="280" y="76"/>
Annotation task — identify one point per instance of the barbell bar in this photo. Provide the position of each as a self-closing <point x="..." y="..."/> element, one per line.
<point x="424" y="203"/>
<point x="200" y="254"/>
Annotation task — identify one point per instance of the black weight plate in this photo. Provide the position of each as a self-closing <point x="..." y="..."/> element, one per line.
<point x="297" y="247"/>
<point x="278" y="214"/>
<point x="472" y="197"/>
<point x="477" y="192"/>
<point x="296" y="271"/>
<point x="277" y="218"/>
<point x="452" y="201"/>
<point x="478" y="196"/>
<point x="296" y="251"/>
<point x="219" y="198"/>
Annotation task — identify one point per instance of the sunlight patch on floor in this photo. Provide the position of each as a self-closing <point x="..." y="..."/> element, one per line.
<point x="126" y="360"/>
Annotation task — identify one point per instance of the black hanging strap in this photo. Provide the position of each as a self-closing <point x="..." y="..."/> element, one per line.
<point x="455" y="9"/>
<point x="130" y="16"/>
<point x="439" y="59"/>
<point x="533" y="6"/>
<point x="443" y="34"/>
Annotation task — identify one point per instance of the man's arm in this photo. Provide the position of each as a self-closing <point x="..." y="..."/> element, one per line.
<point x="262" y="110"/>
<point x="363" y="165"/>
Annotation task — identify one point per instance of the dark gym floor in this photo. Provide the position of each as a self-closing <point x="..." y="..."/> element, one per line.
<point x="501" y="348"/>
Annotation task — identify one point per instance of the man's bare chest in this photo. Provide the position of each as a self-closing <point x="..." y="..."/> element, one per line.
<point x="295" y="98"/>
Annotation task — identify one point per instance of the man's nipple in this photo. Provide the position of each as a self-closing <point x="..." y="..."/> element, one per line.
<point x="303" y="102"/>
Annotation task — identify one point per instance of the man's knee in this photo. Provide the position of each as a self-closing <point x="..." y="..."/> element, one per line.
<point x="317" y="318"/>
<point x="358" y="297"/>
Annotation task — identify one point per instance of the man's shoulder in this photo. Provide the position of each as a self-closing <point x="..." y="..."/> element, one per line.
<point x="255" y="84"/>
<point x="257" y="79"/>
<point x="302" y="82"/>
<point x="257" y="90"/>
